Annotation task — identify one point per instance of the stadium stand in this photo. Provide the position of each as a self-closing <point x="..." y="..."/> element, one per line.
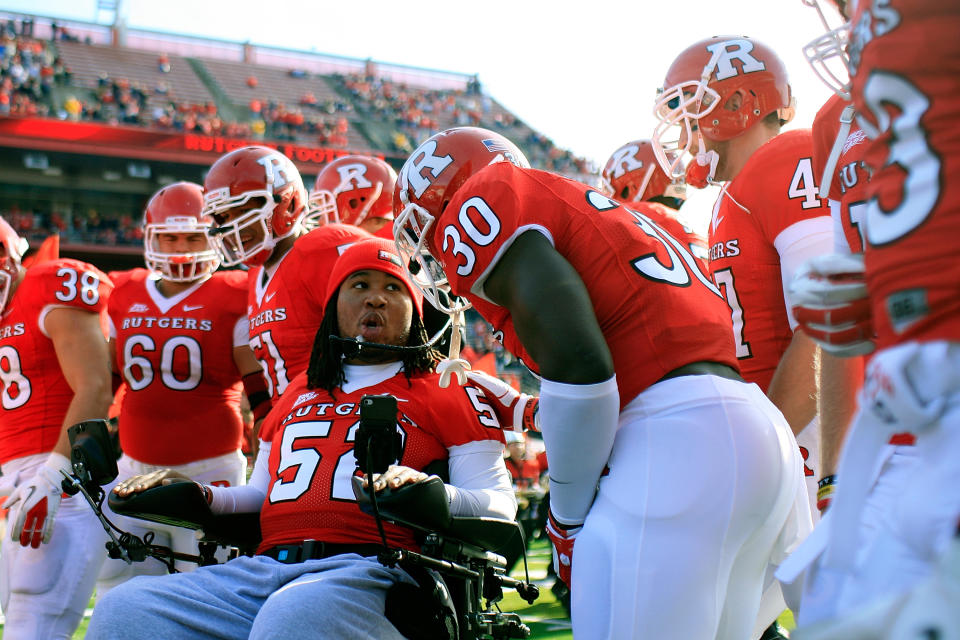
<point x="202" y="97"/>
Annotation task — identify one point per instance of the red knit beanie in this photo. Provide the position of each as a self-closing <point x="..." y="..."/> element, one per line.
<point x="376" y="254"/>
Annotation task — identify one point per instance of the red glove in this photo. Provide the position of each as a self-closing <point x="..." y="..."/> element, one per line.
<point x="516" y="411"/>
<point x="562" y="536"/>
<point x="830" y="303"/>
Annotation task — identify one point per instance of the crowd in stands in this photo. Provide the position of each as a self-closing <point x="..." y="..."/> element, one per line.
<point x="83" y="227"/>
<point x="29" y="68"/>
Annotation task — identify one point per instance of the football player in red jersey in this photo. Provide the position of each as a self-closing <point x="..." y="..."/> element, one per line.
<point x="903" y="63"/>
<point x="54" y="372"/>
<point x="632" y="174"/>
<point x="301" y="485"/>
<point x="730" y="96"/>
<point x="257" y="200"/>
<point x="578" y="283"/>
<point x="355" y="190"/>
<point x="179" y="338"/>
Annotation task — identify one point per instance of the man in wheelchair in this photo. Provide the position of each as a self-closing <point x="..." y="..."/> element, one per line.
<point x="316" y="573"/>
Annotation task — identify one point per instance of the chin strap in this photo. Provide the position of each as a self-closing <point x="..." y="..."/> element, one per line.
<point x="453" y="364"/>
<point x="843" y="132"/>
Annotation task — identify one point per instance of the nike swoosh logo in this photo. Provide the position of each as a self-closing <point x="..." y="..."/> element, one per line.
<point x="187" y="307"/>
<point x="269" y="296"/>
<point x="717" y="221"/>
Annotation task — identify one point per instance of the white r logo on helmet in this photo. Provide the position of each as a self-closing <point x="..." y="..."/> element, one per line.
<point x="411" y="175"/>
<point x="278" y="168"/>
<point x="353" y="172"/>
<point x="741" y="51"/>
<point x="624" y="160"/>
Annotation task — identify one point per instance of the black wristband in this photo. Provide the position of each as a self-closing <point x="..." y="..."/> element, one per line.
<point x="827" y="481"/>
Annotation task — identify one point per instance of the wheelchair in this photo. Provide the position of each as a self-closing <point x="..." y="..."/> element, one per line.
<point x="460" y="568"/>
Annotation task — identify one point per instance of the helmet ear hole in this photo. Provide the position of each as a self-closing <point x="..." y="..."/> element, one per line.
<point x="734" y="102"/>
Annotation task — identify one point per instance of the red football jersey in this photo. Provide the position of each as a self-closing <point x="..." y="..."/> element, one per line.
<point x="285" y="308"/>
<point x="311" y="458"/>
<point x="906" y="61"/>
<point x="35" y="395"/>
<point x="658" y="311"/>
<point x="182" y="402"/>
<point x="774" y="190"/>
<point x="849" y="179"/>
<point x="666" y="219"/>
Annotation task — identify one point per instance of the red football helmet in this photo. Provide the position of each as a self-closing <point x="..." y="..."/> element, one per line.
<point x="827" y="53"/>
<point x="632" y="174"/>
<point x="697" y="91"/>
<point x="13" y="248"/>
<point x="350" y="190"/>
<point x="427" y="182"/>
<point x="177" y="208"/>
<point x="268" y="191"/>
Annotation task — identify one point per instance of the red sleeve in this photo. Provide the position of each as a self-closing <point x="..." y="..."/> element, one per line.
<point x="459" y="414"/>
<point x="71" y="283"/>
<point x="778" y="185"/>
<point x="475" y="230"/>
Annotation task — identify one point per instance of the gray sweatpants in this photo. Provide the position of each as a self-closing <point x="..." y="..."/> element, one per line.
<point x="338" y="597"/>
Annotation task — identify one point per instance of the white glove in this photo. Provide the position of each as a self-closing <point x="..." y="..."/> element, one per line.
<point x="890" y="388"/>
<point x="516" y="411"/>
<point x="34" y="503"/>
<point x="831" y="304"/>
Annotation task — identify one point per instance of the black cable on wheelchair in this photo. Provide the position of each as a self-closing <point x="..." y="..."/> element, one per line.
<point x="373" y="499"/>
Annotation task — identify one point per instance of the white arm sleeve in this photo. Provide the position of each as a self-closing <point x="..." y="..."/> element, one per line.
<point x="249" y="497"/>
<point x="479" y="481"/>
<point x="840" y="244"/>
<point x="578" y="423"/>
<point x="798" y="243"/>
<point x="241" y="332"/>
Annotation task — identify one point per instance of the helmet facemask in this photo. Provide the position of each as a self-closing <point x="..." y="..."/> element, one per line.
<point x="827" y="54"/>
<point x="410" y="232"/>
<point x="677" y="110"/>
<point x="13" y="249"/>
<point x="179" y="267"/>
<point x="321" y="210"/>
<point x="226" y="238"/>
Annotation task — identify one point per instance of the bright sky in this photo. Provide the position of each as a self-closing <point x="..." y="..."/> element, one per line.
<point x="583" y="73"/>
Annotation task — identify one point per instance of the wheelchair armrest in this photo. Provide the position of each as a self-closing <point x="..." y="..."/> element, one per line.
<point x="180" y="504"/>
<point x="422" y="505"/>
<point x="500" y="536"/>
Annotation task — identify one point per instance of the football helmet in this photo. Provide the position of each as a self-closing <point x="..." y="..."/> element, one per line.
<point x="632" y="174"/>
<point x="827" y="53"/>
<point x="697" y="91"/>
<point x="177" y="208"/>
<point x="268" y="191"/>
<point x="13" y="248"/>
<point x="427" y="182"/>
<point x="350" y="190"/>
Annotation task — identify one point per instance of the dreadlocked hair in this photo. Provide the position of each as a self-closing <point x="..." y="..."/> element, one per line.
<point x="325" y="370"/>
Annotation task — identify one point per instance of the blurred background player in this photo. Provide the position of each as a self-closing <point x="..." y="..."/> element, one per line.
<point x="839" y="144"/>
<point x="355" y="190"/>
<point x="303" y="488"/>
<point x="632" y="174"/>
<point x="179" y="337"/>
<point x="903" y="59"/>
<point x="257" y="201"/>
<point x="622" y="385"/>
<point x="55" y="372"/>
